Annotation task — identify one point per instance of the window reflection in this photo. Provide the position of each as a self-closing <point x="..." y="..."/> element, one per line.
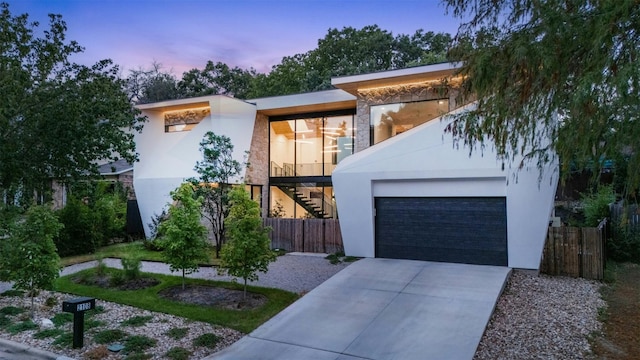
<point x="392" y="119"/>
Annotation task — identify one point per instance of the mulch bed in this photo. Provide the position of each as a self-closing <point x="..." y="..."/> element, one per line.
<point x="104" y="281"/>
<point x="214" y="296"/>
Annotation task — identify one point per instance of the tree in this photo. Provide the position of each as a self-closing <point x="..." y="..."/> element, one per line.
<point x="152" y="85"/>
<point x="560" y="70"/>
<point x="56" y="117"/>
<point x="249" y="248"/>
<point x="217" y="78"/>
<point x="31" y="259"/>
<point x="216" y="171"/>
<point x="184" y="243"/>
<point x="348" y="51"/>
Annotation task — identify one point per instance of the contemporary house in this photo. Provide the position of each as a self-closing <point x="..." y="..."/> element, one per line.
<point x="371" y="152"/>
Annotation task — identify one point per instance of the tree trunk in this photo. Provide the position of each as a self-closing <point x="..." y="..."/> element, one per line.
<point x="244" y="295"/>
<point x="182" y="279"/>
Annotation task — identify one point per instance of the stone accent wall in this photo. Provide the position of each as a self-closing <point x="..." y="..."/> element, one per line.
<point x="191" y="116"/>
<point x="396" y="94"/>
<point x="258" y="170"/>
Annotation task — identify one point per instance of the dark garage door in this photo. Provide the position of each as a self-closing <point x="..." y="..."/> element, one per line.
<point x="471" y="230"/>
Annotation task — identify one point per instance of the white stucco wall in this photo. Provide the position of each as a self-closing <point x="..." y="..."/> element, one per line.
<point x="166" y="159"/>
<point x="425" y="162"/>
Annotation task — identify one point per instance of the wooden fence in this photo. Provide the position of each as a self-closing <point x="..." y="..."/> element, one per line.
<point x="630" y="214"/>
<point x="577" y="252"/>
<point x="305" y="235"/>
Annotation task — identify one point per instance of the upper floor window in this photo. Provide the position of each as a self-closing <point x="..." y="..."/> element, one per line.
<point x="389" y="120"/>
<point x="310" y="146"/>
<point x="184" y="120"/>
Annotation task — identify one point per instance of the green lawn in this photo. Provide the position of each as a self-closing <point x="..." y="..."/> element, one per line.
<point x="241" y="320"/>
<point x="120" y="250"/>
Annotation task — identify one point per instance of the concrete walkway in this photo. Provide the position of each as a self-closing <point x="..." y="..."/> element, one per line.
<point x="382" y="309"/>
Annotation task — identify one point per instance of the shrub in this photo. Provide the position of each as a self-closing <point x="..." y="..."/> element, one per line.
<point x="152" y="245"/>
<point x="178" y="353"/>
<point x="109" y="336"/>
<point x="92" y="323"/>
<point x="117" y="279"/>
<point x="625" y="244"/>
<point x="138" y="343"/>
<point x="79" y="235"/>
<point x="154" y="227"/>
<point x="11" y="310"/>
<point x="101" y="267"/>
<point x="12" y="292"/>
<point x="21" y="326"/>
<point x="111" y="217"/>
<point x="51" y="302"/>
<point x="4" y="321"/>
<point x="206" y="340"/>
<point x="131" y="265"/>
<point x="60" y="319"/>
<point x="177" y="333"/>
<point x="47" y="333"/>
<point x="137" y="321"/>
<point x="64" y="340"/>
<point x="596" y="205"/>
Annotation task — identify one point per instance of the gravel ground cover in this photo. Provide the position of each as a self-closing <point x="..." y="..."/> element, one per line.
<point x="292" y="272"/>
<point x="543" y="317"/>
<point x="297" y="273"/>
<point x="537" y="317"/>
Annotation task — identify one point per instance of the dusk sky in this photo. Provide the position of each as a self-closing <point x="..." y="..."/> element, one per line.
<point x="185" y="34"/>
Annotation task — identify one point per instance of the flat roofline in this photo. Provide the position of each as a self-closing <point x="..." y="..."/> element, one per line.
<point x="326" y="100"/>
<point x="182" y="104"/>
<point x="352" y="83"/>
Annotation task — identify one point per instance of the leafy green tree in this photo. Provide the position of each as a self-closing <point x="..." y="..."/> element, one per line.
<point x="64" y="116"/>
<point x="216" y="170"/>
<point x="31" y="258"/>
<point x="560" y="70"/>
<point x="249" y="248"/>
<point x="184" y="243"/>
<point x="152" y="85"/>
<point x="348" y="51"/>
<point x="421" y="48"/>
<point x="217" y="78"/>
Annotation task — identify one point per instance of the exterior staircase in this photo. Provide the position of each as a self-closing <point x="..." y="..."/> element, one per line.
<point x="305" y="201"/>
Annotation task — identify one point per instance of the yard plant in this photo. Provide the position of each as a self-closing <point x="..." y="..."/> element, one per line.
<point x="184" y="241"/>
<point x="249" y="248"/>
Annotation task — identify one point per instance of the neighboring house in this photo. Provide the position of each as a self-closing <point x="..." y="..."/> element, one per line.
<point x="408" y="192"/>
<point x="119" y="171"/>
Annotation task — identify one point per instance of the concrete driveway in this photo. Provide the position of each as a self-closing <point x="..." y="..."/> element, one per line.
<point x="382" y="309"/>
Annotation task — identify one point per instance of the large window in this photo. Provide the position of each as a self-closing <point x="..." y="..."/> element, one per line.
<point x="304" y="150"/>
<point x="309" y="146"/>
<point x="392" y="119"/>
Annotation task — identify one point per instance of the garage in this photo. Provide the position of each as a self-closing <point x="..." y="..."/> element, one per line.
<point x="471" y="230"/>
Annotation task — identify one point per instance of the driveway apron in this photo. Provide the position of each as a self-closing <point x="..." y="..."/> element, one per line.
<point x="382" y="309"/>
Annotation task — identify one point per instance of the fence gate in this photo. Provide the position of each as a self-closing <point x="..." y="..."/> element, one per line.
<point x="577" y="252"/>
